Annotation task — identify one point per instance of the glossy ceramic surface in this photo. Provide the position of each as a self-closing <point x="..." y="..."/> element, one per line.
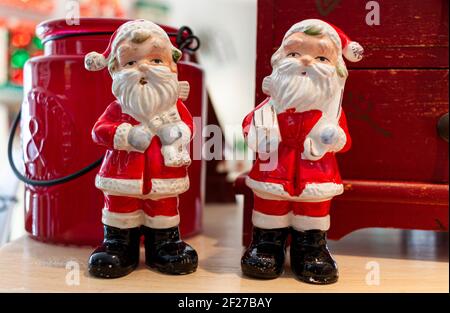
<point x="61" y="104"/>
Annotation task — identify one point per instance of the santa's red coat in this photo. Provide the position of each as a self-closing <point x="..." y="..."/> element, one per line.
<point x="294" y="178"/>
<point x="135" y="173"/>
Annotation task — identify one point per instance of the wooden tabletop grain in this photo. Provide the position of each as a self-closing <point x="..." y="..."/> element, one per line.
<point x="405" y="261"/>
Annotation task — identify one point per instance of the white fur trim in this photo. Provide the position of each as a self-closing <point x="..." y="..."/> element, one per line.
<point x="266" y="221"/>
<point x="302" y="222"/>
<point x="121" y="137"/>
<point x="137" y="219"/>
<point x="161" y="221"/>
<point x="313" y="150"/>
<point x="122" y="220"/>
<point x="94" y="61"/>
<point x="353" y="51"/>
<point x="298" y="222"/>
<point x="118" y="186"/>
<point x="161" y="188"/>
<point x="170" y="185"/>
<point x="313" y="192"/>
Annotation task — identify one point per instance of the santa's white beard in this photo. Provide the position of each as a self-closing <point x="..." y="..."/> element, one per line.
<point x="290" y="89"/>
<point x="143" y="102"/>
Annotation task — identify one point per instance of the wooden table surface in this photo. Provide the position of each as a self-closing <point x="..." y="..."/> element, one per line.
<point x="407" y="261"/>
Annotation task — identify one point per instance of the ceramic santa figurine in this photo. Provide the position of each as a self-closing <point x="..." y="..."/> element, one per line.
<point x="296" y="132"/>
<point x="146" y="132"/>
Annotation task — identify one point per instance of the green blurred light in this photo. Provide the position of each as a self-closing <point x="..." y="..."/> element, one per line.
<point x="19" y="57"/>
<point x="37" y="42"/>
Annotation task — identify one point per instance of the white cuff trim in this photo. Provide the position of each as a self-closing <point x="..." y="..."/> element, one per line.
<point x="302" y="222"/>
<point x="298" y="222"/>
<point x="266" y="221"/>
<point x="161" y="221"/>
<point x="137" y="219"/>
<point x="121" y="136"/>
<point x="122" y="220"/>
<point x="161" y="187"/>
<point x="313" y="192"/>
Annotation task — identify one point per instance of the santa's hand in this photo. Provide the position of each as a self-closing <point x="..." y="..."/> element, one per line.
<point x="330" y="139"/>
<point x="328" y="135"/>
<point x="340" y="140"/>
<point x="169" y="134"/>
<point x="334" y="137"/>
<point x="139" y="137"/>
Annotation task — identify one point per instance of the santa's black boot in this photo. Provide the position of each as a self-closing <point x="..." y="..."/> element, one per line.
<point x="118" y="255"/>
<point x="311" y="261"/>
<point x="264" y="258"/>
<point x="165" y="251"/>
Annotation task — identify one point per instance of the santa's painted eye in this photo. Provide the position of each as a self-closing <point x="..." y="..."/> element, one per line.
<point x="322" y="59"/>
<point x="131" y="63"/>
<point x="293" y="54"/>
<point x="156" y="61"/>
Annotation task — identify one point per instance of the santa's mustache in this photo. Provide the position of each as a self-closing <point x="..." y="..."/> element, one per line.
<point x="293" y="84"/>
<point x="145" y="76"/>
<point x="291" y="66"/>
<point x="318" y="73"/>
<point x="145" y="91"/>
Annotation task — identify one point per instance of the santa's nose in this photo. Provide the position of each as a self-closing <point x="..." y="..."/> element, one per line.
<point x="143" y="67"/>
<point x="306" y="60"/>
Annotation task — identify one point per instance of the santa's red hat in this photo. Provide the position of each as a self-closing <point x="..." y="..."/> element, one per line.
<point x="351" y="50"/>
<point x="94" y="61"/>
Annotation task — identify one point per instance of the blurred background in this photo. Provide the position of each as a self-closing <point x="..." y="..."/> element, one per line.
<point x="227" y="56"/>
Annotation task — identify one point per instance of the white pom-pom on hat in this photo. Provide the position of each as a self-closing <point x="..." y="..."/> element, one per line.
<point x="353" y="51"/>
<point x="94" y="61"/>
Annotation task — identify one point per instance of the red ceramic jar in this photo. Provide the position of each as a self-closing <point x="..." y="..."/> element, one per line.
<point x="61" y="103"/>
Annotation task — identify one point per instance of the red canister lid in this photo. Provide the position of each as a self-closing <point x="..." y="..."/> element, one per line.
<point x="60" y="28"/>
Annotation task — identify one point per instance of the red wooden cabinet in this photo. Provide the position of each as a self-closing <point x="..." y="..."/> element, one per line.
<point x="396" y="174"/>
